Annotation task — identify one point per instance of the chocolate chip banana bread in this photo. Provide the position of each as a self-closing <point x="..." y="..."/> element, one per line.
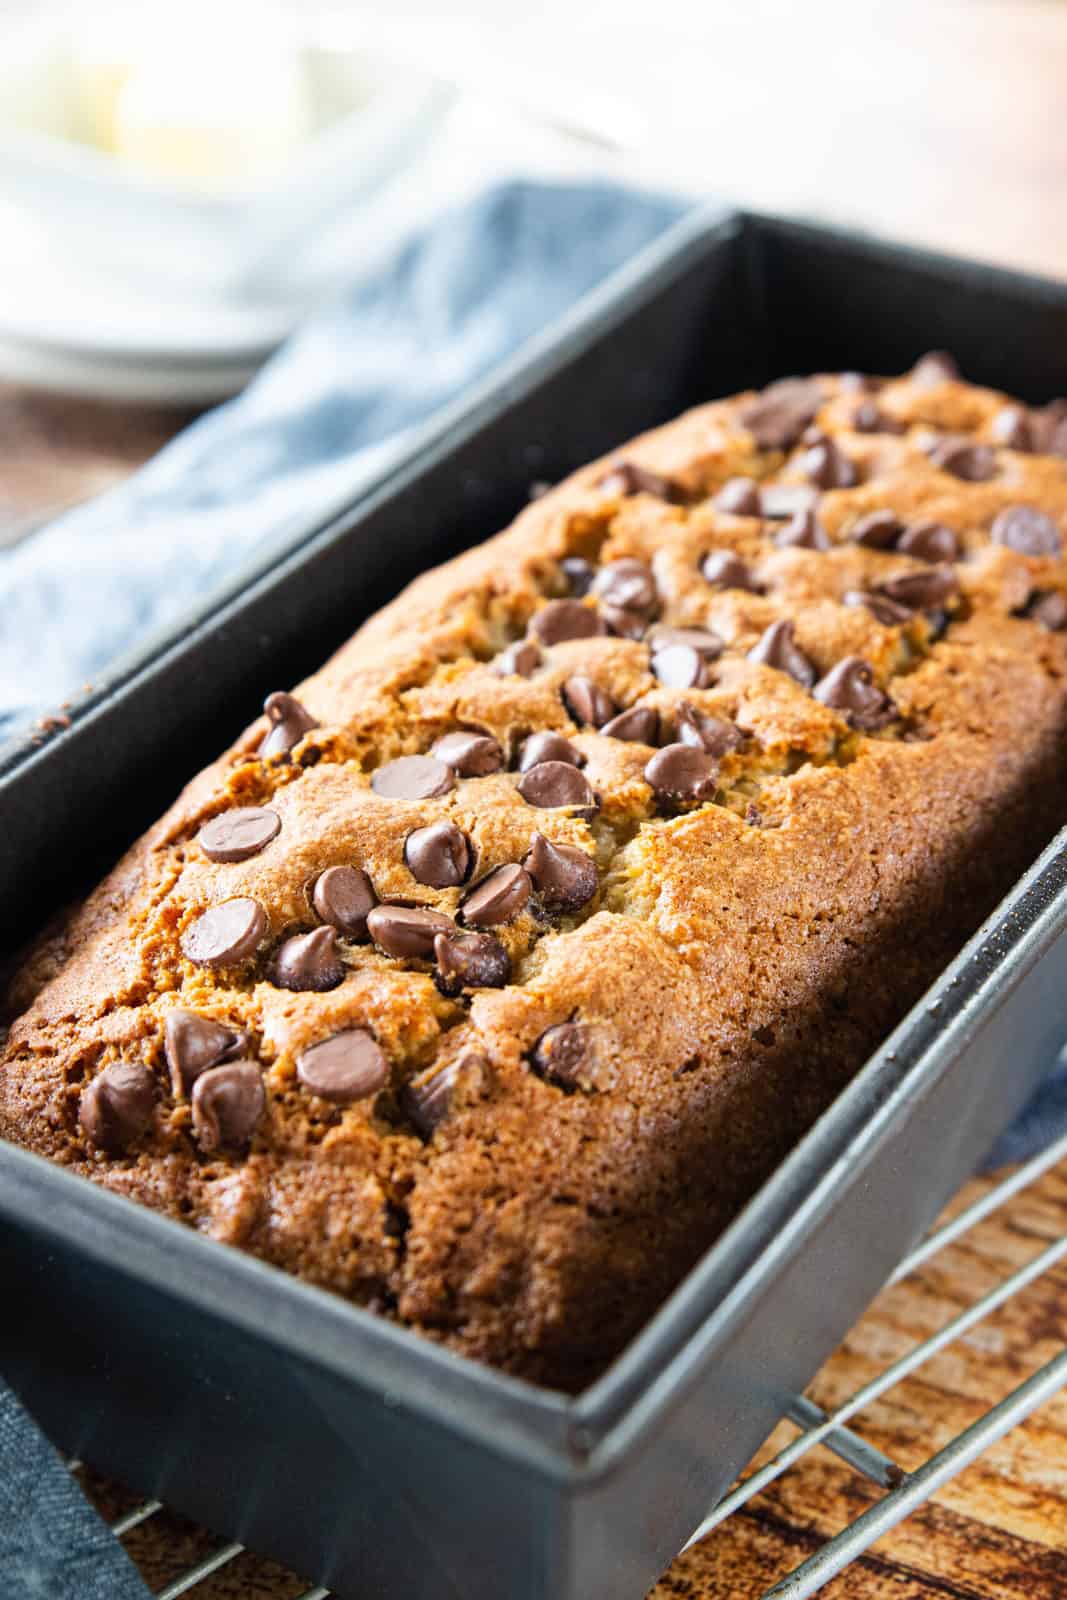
<point x="484" y="979"/>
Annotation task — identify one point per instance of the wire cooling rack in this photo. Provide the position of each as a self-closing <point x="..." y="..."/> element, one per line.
<point x="903" y="1492"/>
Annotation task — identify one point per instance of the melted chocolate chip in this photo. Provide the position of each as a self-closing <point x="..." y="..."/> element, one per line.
<point x="519" y="660"/>
<point x="639" y="725"/>
<point x="974" y="463"/>
<point x="439" y="856"/>
<point x="727" y="571"/>
<point x="225" y="934"/>
<point x="783" y="500"/>
<point x="579" y="574"/>
<point x="428" y="1097"/>
<point x="1049" y="609"/>
<point x="499" y="897"/>
<point x="413" y="778"/>
<point x="715" y="735"/>
<point x="683" y="772"/>
<point x="289" y="721"/>
<point x="627" y="584"/>
<point x="890" y="613"/>
<point x="561" y="620"/>
<point x="803" y="532"/>
<point x="556" y="783"/>
<point x="740" y="497"/>
<point x="1012" y="428"/>
<point x="407" y="931"/>
<point x="116" y="1108"/>
<point x="679" y="666"/>
<point x="469" y="961"/>
<point x="192" y="1043"/>
<point x="777" y="647"/>
<point x="309" y="962"/>
<point x="878" y="530"/>
<point x="227" y="1103"/>
<point x="565" y="877"/>
<point x="587" y="702"/>
<point x="548" y="747"/>
<point x="1027" y="531"/>
<point x="849" y="687"/>
<point x="470" y="755"/>
<point x="921" y="590"/>
<point x="343" y="897"/>
<point x="349" y="1066"/>
<point x="626" y="478"/>
<point x="563" y="1052"/>
<point x="934" y="368"/>
<point x="240" y="833"/>
<point x="778" y="416"/>
<point x="868" y="417"/>
<point x="929" y="541"/>
<point x="828" y="467"/>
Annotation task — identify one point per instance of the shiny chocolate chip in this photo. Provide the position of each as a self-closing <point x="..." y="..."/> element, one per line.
<point x="934" y="368"/>
<point x="679" y="666"/>
<point x="470" y="755"/>
<point x="548" y="747"/>
<point x="878" y="530"/>
<point x="727" y="571"/>
<point x="704" y="641"/>
<point x="192" y="1043"/>
<point x="622" y="623"/>
<point x="1027" y="531"/>
<point x="116" y="1108"/>
<point x="407" y="931"/>
<point x="778" y="416"/>
<point x="562" y="620"/>
<point x="587" y="702"/>
<point x="413" y="778"/>
<point x="469" y="961"/>
<point x="803" y="532"/>
<point x="929" y="541"/>
<point x="225" y="934"/>
<point x="715" y="735"/>
<point x="563" y="1052"/>
<point x="740" y="497"/>
<point x="343" y="897"/>
<point x="626" y="478"/>
<point x="849" y="687"/>
<point x="868" y="417"/>
<point x="519" y="660"/>
<point x="499" y="897"/>
<point x="228" y="1101"/>
<point x="973" y="463"/>
<point x="289" y="721"/>
<point x="783" y="500"/>
<point x="308" y="962"/>
<point x="347" y="1067"/>
<point x="556" y="783"/>
<point x="777" y="647"/>
<point x="439" y="856"/>
<point x="235" y="835"/>
<point x="579" y="574"/>
<point x="428" y="1097"/>
<point x="825" y="465"/>
<point x="1049" y="609"/>
<point x="683" y="772"/>
<point x="627" y="584"/>
<point x="1012" y="428"/>
<point x="564" y="877"/>
<point x="890" y="613"/>
<point x="639" y="725"/>
<point x="922" y="591"/>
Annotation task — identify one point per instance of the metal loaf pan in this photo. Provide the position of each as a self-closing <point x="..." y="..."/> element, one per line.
<point x="361" y="1455"/>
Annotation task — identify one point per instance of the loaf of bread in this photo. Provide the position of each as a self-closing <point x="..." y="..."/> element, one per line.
<point x="485" y="978"/>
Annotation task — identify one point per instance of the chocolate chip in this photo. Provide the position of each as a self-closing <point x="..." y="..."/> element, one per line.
<point x="227" y="1103"/>
<point x="343" y="897"/>
<point x="803" y="532"/>
<point x="289" y="721"/>
<point x="727" y="571"/>
<point x="427" y="1098"/>
<point x="562" y="620"/>
<point x="778" y="416"/>
<point x="587" y="702"/>
<point x="407" y="931"/>
<point x="440" y="855"/>
<point x="192" y="1043"/>
<point x="878" y="530"/>
<point x="623" y="624"/>
<point x="626" y="478"/>
<point x="225" y="934"/>
<point x="347" y="1067"/>
<point x="470" y="755"/>
<point x="888" y="612"/>
<point x="639" y="725"/>
<point x="929" y="541"/>
<point x="828" y="467"/>
<point x="679" y="666"/>
<point x="413" y="778"/>
<point x="1027" y="531"/>
<point x="849" y="687"/>
<point x="974" y="463"/>
<point x="565" y="877"/>
<point x="579" y="574"/>
<point x="499" y="897"/>
<point x="740" y="497"/>
<point x="116" y="1108"/>
<point x="240" y="833"/>
<point x="1049" y="609"/>
<point x="308" y="961"/>
<point x="715" y="735"/>
<point x="777" y="647"/>
<point x="562" y="1052"/>
<point x="548" y="747"/>
<point x="868" y="417"/>
<point x="781" y="500"/>
<point x="704" y="641"/>
<point x="921" y="590"/>
<point x="628" y="584"/>
<point x="469" y="961"/>
<point x="934" y="368"/>
<point x="1050" y="428"/>
<point x="519" y="660"/>
<point x="683" y="772"/>
<point x="555" y="783"/>
<point x="857" y="382"/>
<point x="1012" y="428"/>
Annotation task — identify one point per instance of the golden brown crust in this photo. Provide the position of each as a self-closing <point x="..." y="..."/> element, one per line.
<point x="740" y="958"/>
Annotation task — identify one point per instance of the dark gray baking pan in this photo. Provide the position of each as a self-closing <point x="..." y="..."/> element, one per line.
<point x="281" y="1416"/>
